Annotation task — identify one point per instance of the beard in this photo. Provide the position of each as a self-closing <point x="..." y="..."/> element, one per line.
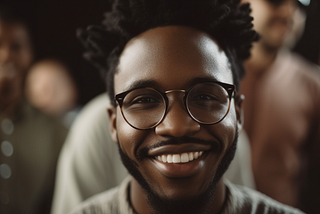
<point x="197" y="204"/>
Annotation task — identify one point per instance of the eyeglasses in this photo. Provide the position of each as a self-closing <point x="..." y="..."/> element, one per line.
<point x="145" y="108"/>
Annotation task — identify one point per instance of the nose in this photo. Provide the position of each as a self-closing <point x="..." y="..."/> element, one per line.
<point x="177" y="122"/>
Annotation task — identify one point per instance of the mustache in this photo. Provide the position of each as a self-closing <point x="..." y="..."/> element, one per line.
<point x="143" y="153"/>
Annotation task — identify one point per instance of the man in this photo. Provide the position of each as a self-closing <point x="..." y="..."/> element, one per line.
<point x="282" y="108"/>
<point x="89" y="162"/>
<point x="173" y="68"/>
<point x="30" y="141"/>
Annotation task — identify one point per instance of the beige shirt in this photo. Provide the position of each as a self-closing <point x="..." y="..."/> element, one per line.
<point x="90" y="163"/>
<point x="240" y="200"/>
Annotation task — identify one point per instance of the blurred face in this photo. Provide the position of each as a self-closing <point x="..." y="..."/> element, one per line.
<point x="174" y="58"/>
<point x="50" y="88"/>
<point x="274" y="22"/>
<point x="15" y="58"/>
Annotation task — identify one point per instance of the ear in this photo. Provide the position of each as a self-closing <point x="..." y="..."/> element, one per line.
<point x="239" y="99"/>
<point x="112" y="113"/>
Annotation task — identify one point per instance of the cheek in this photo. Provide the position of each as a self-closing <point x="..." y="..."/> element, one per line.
<point x="225" y="131"/>
<point x="129" y="138"/>
<point x="23" y="59"/>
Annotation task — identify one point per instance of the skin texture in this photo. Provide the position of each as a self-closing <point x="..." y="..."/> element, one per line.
<point x="15" y="58"/>
<point x="167" y="58"/>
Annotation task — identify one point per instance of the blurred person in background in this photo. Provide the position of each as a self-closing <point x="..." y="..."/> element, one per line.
<point x="50" y="88"/>
<point x="89" y="162"/>
<point x="282" y="107"/>
<point x="30" y="140"/>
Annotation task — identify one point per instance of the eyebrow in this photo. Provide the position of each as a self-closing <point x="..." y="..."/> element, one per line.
<point x="198" y="80"/>
<point x="142" y="84"/>
<point x="156" y="85"/>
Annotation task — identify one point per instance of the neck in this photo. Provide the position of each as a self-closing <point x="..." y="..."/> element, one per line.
<point x="139" y="199"/>
<point x="261" y="59"/>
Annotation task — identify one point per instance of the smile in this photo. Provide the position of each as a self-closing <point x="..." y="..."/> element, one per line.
<point x="179" y="158"/>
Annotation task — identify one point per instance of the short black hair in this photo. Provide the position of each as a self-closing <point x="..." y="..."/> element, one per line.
<point x="228" y="21"/>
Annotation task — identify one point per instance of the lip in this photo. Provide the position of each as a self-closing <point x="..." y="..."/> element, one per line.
<point x="178" y="149"/>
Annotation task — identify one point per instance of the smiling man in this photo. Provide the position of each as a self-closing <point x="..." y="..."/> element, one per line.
<point x="173" y="68"/>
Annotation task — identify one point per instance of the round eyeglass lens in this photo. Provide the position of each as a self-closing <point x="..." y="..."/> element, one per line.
<point x="208" y="103"/>
<point x="143" y="108"/>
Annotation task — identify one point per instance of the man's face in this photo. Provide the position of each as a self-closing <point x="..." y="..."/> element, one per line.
<point x="274" y="22"/>
<point x="50" y="88"/>
<point x="15" y="58"/>
<point x="170" y="58"/>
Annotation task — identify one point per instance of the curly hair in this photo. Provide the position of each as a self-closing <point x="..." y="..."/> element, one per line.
<point x="228" y="21"/>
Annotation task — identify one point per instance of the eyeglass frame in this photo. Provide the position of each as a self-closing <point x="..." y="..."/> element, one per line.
<point x="230" y="88"/>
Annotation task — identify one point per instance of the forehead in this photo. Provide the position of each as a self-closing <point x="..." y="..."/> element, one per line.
<point x="171" y="57"/>
<point x="13" y="32"/>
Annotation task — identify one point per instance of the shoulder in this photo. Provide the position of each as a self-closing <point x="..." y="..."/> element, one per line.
<point x="245" y="200"/>
<point x="92" y="121"/>
<point x="96" y="108"/>
<point x="302" y="74"/>
<point x="89" y="133"/>
<point x="305" y="68"/>
<point x="41" y="122"/>
<point x="113" y="201"/>
<point x="105" y="202"/>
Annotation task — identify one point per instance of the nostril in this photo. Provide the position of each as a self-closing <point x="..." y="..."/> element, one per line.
<point x="177" y="124"/>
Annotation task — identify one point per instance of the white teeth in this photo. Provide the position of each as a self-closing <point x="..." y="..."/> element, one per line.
<point x="176" y="158"/>
<point x="190" y="156"/>
<point x="179" y="158"/>
<point x="196" y="155"/>
<point x="184" y="158"/>
<point x="164" y="158"/>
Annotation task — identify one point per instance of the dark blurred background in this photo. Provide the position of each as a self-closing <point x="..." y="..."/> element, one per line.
<point x="53" y="25"/>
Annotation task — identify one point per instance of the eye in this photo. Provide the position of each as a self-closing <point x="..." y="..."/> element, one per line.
<point x="204" y="97"/>
<point x="144" y="99"/>
<point x="144" y="103"/>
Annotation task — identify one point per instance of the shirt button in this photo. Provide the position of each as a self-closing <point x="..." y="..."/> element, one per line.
<point x="5" y="171"/>
<point x="7" y="126"/>
<point x="6" y="148"/>
<point x="4" y="198"/>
